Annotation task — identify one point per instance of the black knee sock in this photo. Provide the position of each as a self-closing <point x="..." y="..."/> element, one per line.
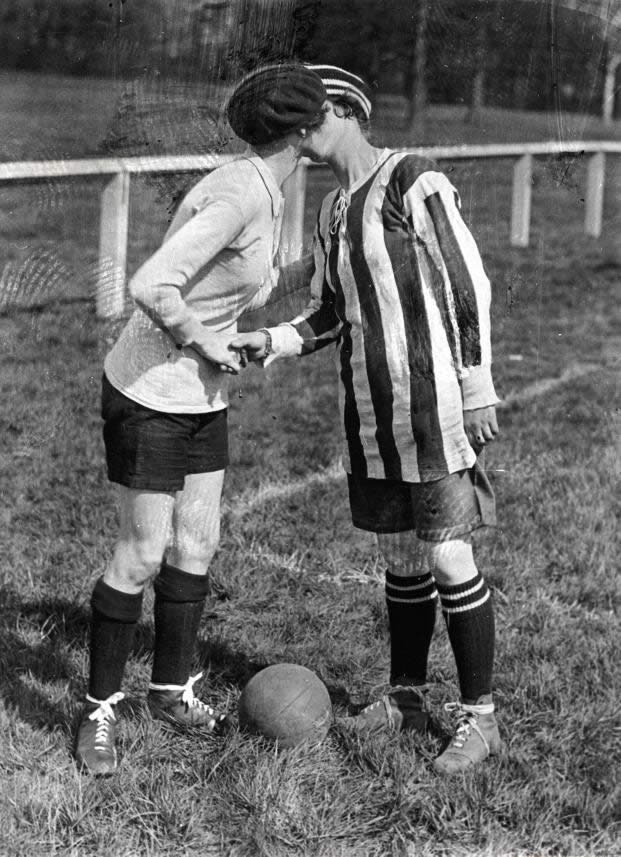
<point x="411" y="604"/>
<point x="114" y="618"/>
<point x="179" y="601"/>
<point x="469" y="617"/>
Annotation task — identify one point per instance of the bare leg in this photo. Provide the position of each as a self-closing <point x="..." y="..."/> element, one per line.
<point x="145" y="529"/>
<point x="196" y="522"/>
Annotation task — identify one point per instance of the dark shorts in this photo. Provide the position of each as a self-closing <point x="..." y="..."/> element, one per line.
<point x="155" y="451"/>
<point x="437" y="511"/>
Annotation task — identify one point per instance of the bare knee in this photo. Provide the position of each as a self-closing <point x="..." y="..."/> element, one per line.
<point x="449" y="562"/>
<point x="404" y="554"/>
<point x="196" y="523"/>
<point x="193" y="551"/>
<point x="452" y="562"/>
<point x="133" y="563"/>
<point x="145" y="519"/>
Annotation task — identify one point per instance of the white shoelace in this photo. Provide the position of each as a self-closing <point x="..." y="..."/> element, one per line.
<point x="384" y="699"/>
<point x="187" y="696"/>
<point x="466" y="716"/>
<point x="104" y="715"/>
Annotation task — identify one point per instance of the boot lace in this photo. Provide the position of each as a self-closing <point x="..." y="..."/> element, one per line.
<point x="188" y="698"/>
<point x="105" y="717"/>
<point x="190" y="701"/>
<point x="386" y="692"/>
<point x="466" y="719"/>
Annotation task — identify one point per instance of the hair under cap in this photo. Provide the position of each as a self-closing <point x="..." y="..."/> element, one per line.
<point x="342" y="85"/>
<point x="274" y="100"/>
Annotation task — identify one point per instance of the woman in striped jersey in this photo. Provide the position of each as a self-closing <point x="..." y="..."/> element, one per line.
<point x="399" y="287"/>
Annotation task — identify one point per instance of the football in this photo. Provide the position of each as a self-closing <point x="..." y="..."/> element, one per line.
<point x="286" y="703"/>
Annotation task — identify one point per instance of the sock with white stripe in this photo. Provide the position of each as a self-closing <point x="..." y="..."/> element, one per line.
<point x="469" y="617"/>
<point x="411" y="604"/>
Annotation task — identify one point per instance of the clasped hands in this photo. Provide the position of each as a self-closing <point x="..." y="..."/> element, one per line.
<point x="230" y="353"/>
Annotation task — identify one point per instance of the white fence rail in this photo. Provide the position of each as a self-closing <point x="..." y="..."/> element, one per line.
<point x="114" y="220"/>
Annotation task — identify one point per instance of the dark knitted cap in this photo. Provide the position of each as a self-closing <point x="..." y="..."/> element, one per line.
<point x="342" y="85"/>
<point x="274" y="100"/>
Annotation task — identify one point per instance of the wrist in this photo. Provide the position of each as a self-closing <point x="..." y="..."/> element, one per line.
<point x="269" y="348"/>
<point x="188" y="333"/>
<point x="478" y="388"/>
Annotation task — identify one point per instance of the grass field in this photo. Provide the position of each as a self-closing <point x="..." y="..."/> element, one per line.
<point x="292" y="580"/>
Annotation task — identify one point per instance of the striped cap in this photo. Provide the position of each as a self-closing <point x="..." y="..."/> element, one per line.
<point x="343" y="85"/>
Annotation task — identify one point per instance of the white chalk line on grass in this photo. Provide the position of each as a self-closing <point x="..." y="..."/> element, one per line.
<point x="269" y="492"/>
<point x="249" y="500"/>
<point x="545" y="385"/>
<point x="337" y="571"/>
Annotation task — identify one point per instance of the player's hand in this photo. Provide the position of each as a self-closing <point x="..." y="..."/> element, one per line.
<point x="251" y="346"/>
<point x="481" y="426"/>
<point x="216" y="348"/>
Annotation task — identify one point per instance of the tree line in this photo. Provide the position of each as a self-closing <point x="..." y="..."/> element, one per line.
<point x="531" y="54"/>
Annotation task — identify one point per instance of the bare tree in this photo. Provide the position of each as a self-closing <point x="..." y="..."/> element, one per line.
<point x="481" y="48"/>
<point x="610" y="81"/>
<point x="416" y="85"/>
<point x="608" y="14"/>
<point x="610" y="86"/>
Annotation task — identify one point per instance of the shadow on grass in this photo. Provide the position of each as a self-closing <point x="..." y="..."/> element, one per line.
<point x="38" y="636"/>
<point x="236" y="668"/>
<point x="38" y="641"/>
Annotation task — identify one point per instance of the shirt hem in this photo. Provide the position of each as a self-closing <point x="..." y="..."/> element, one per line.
<point x="162" y="407"/>
<point x="455" y="467"/>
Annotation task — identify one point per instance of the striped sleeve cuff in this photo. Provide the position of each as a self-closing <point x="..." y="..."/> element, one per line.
<point x="286" y="342"/>
<point x="478" y="388"/>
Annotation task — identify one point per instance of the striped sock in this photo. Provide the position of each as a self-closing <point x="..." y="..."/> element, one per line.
<point x="469" y="616"/>
<point x="411" y="604"/>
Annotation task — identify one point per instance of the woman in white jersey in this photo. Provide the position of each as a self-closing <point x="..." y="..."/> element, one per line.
<point x="164" y="404"/>
<point x="400" y="288"/>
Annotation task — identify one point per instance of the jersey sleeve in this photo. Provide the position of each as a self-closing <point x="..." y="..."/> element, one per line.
<point x="433" y="207"/>
<point x="318" y="324"/>
<point x="159" y="284"/>
<point x="286" y="280"/>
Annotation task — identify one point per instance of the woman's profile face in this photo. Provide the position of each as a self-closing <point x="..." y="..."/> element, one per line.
<point x="322" y="140"/>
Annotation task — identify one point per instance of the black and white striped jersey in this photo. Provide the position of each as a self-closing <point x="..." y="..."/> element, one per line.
<point x="399" y="286"/>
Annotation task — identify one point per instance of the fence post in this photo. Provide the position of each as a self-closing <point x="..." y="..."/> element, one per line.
<point x="292" y="236"/>
<point x="520" y="204"/>
<point x="594" y="195"/>
<point x="110" y="289"/>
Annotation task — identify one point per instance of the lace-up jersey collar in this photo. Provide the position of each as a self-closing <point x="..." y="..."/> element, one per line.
<point x="338" y="213"/>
